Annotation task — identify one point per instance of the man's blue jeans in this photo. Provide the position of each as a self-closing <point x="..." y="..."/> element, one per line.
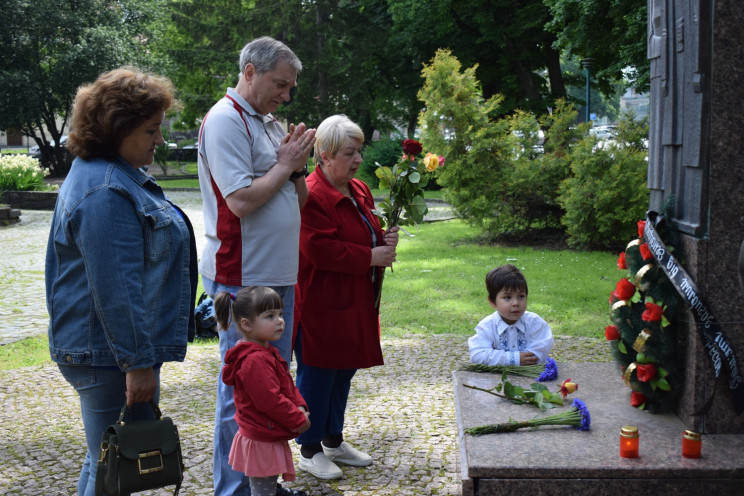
<point x="101" y="392"/>
<point x="228" y="482"/>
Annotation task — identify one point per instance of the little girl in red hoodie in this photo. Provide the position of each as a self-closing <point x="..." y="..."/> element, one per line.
<point x="269" y="408"/>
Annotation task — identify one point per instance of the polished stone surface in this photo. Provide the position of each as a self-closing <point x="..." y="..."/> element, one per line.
<point x="559" y="460"/>
<point x="713" y="260"/>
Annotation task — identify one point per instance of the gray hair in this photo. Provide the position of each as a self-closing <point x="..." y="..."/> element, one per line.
<point x="333" y="133"/>
<point x="264" y="53"/>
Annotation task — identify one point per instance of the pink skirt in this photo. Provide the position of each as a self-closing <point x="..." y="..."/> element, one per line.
<point x="261" y="458"/>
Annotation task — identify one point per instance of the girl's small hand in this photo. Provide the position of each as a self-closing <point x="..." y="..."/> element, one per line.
<point x="305" y="426"/>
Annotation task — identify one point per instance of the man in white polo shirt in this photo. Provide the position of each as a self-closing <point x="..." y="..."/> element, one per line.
<point x="252" y="180"/>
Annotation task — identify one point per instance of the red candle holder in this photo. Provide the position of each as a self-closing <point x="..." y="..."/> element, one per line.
<point x="629" y="441"/>
<point x="692" y="443"/>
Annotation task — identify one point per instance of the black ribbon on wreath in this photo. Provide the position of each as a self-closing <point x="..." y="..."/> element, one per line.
<point x="721" y="354"/>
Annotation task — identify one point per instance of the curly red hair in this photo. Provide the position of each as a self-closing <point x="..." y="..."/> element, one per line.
<point x="108" y="110"/>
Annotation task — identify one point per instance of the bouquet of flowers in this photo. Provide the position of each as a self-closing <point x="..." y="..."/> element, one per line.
<point x="537" y="394"/>
<point x="405" y="204"/>
<point x="577" y="416"/>
<point x="546" y="372"/>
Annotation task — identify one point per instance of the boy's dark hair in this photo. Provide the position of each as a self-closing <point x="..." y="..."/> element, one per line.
<point x="505" y="276"/>
<point x="248" y="303"/>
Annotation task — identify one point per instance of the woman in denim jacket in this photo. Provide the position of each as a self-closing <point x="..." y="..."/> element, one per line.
<point x="121" y="259"/>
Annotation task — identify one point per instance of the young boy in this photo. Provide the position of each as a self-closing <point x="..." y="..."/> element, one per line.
<point x="511" y="335"/>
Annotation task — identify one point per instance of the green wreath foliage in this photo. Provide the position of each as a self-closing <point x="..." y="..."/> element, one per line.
<point x="645" y="311"/>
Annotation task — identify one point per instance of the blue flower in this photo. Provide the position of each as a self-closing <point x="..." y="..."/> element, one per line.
<point x="550" y="372"/>
<point x="586" y="419"/>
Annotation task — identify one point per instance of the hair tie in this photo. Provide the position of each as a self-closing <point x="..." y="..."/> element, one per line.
<point x="232" y="296"/>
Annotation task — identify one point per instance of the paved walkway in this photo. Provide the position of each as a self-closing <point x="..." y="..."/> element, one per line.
<point x="402" y="413"/>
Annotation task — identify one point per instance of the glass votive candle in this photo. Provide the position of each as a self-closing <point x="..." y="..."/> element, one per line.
<point x="692" y="442"/>
<point x="629" y="441"/>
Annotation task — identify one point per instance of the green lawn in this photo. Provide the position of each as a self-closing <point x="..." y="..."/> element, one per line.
<point x="437" y="286"/>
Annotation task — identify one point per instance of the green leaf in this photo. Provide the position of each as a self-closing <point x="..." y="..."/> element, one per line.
<point x="662" y="372"/>
<point x="621" y="347"/>
<point x="663" y="385"/>
<point x="414" y="177"/>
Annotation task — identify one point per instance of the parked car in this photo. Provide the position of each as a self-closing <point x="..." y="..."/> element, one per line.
<point x="35" y="151"/>
<point x="189" y="153"/>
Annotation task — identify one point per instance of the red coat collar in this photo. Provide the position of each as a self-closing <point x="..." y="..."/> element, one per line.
<point x="318" y="179"/>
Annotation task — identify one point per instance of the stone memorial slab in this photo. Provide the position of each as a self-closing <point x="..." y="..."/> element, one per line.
<point x="563" y="460"/>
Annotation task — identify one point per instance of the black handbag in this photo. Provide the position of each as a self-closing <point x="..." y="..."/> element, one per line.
<point x="139" y="455"/>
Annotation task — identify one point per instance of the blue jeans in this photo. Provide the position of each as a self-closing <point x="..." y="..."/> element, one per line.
<point x="229" y="482"/>
<point x="101" y="392"/>
<point x="326" y="392"/>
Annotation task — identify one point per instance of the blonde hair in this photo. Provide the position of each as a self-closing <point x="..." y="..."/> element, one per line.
<point x="333" y="133"/>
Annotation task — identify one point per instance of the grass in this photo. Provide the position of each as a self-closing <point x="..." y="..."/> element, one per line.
<point x="437" y="287"/>
<point x="438" y="283"/>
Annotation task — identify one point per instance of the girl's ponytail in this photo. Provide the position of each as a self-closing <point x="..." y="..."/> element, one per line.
<point x="223" y="309"/>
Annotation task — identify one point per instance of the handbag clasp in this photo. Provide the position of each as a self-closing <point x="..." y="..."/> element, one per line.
<point x="150" y="454"/>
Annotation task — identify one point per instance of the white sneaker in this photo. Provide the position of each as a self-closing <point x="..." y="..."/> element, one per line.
<point x="348" y="455"/>
<point x="320" y="466"/>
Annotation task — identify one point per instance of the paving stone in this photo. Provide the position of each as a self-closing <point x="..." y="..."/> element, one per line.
<point x="402" y="413"/>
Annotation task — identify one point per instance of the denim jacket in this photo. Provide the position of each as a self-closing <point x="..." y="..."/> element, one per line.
<point x="120" y="270"/>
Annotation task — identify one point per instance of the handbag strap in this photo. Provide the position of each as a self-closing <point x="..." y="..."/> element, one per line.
<point x="125" y="409"/>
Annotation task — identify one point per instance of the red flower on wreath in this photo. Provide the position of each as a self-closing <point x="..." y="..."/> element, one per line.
<point x="412" y="147"/>
<point x="641" y="227"/>
<point x="645" y="252"/>
<point x="621" y="261"/>
<point x="611" y="333"/>
<point x="646" y="371"/>
<point x="624" y="290"/>
<point x="637" y="399"/>
<point x="652" y="313"/>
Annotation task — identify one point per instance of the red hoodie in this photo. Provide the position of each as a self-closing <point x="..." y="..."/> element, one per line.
<point x="266" y="400"/>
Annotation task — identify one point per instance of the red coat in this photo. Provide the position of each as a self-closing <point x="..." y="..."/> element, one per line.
<point x="336" y="299"/>
<point x="267" y="403"/>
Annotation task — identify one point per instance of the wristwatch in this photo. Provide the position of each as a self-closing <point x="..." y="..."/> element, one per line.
<point x="302" y="173"/>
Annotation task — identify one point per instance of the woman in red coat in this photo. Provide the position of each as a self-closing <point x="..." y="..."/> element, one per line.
<point x="342" y="254"/>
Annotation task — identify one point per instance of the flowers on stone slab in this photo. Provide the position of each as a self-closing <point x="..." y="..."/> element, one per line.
<point x="568" y="387"/>
<point x="550" y="371"/>
<point x="547" y="372"/>
<point x="537" y="394"/>
<point x="577" y="416"/>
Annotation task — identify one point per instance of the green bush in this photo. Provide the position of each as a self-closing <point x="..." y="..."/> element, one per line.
<point x="606" y="193"/>
<point x="496" y="175"/>
<point x="21" y="173"/>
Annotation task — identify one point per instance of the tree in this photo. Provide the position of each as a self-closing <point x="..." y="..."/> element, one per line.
<point x="612" y="32"/>
<point x="50" y="48"/>
<point x="505" y="38"/>
<point x="358" y="72"/>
